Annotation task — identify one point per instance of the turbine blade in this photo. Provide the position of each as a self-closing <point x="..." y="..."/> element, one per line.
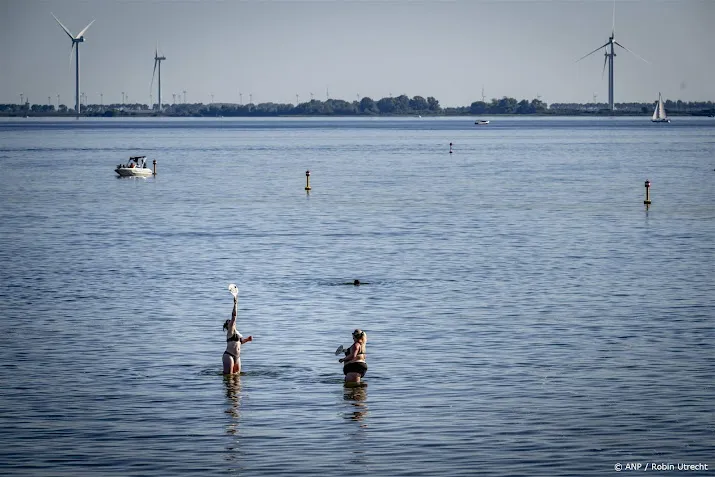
<point x="79" y="35"/>
<point x="632" y="53"/>
<point x="152" y="75"/>
<point x="63" y="27"/>
<point x="69" y="69"/>
<point x="613" y="28"/>
<point x="605" y="59"/>
<point x="594" y="51"/>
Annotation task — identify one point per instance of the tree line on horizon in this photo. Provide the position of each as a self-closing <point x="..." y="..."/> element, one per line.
<point x="389" y="106"/>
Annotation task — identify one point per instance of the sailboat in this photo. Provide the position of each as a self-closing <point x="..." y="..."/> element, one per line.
<point x="659" y="113"/>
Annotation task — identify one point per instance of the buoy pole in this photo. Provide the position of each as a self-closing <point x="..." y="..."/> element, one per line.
<point x="450" y="148"/>
<point x="647" y="193"/>
<point x="307" y="180"/>
<point x="154" y="167"/>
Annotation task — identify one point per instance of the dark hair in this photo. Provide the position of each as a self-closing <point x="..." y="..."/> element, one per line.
<point x="225" y="324"/>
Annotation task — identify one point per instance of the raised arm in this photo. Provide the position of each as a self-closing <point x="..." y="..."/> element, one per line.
<point x="235" y="311"/>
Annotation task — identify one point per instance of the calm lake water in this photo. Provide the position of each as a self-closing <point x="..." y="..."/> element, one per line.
<point x="526" y="314"/>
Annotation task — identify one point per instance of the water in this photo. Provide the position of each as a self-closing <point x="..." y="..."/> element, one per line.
<point x="526" y="315"/>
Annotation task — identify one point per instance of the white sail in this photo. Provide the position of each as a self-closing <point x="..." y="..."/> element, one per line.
<point x="659" y="112"/>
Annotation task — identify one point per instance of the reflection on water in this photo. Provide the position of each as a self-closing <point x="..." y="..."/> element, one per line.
<point x="357" y="397"/>
<point x="356" y="412"/>
<point x="233" y="395"/>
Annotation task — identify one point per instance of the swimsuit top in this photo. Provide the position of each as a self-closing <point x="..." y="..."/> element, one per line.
<point x="358" y="357"/>
<point x="233" y="343"/>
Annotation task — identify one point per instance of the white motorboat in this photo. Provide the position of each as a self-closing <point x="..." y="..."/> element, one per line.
<point x="481" y="122"/>
<point x="659" y="115"/>
<point x="135" y="168"/>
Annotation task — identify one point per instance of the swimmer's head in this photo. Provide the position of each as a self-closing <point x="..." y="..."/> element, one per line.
<point x="225" y="324"/>
<point x="358" y="333"/>
<point x="356" y="282"/>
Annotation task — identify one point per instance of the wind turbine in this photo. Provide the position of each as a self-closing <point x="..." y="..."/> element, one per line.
<point x="76" y="40"/>
<point x="608" y="57"/>
<point x="157" y="60"/>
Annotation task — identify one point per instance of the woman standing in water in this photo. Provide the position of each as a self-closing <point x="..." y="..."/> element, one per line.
<point x="234" y="340"/>
<point x="355" y="367"/>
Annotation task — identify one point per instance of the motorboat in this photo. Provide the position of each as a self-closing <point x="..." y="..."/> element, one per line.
<point x="481" y="122"/>
<point x="136" y="167"/>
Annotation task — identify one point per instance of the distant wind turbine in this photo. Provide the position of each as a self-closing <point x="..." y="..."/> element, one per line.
<point x="157" y="60"/>
<point x="76" y="40"/>
<point x="608" y="57"/>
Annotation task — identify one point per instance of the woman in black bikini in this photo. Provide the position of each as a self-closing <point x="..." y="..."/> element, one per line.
<point x="234" y="340"/>
<point x="355" y="367"/>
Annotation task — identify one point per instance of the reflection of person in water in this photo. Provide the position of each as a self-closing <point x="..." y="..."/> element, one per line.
<point x="233" y="403"/>
<point x="355" y="366"/>
<point x="233" y="394"/>
<point x="357" y="396"/>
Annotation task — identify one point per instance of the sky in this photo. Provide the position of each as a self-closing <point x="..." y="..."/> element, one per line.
<point x="271" y="51"/>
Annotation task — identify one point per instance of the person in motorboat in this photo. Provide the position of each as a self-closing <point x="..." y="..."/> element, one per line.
<point x="354" y="365"/>
<point x="232" y="356"/>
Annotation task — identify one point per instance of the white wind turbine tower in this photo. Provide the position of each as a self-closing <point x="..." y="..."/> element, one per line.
<point x="609" y="57"/>
<point x="157" y="60"/>
<point x="76" y="40"/>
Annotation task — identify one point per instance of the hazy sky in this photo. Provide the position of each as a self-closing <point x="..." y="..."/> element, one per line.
<point x="277" y="49"/>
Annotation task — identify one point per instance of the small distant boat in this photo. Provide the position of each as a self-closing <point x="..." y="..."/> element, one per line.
<point x="481" y="122"/>
<point x="135" y="168"/>
<point x="659" y="115"/>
